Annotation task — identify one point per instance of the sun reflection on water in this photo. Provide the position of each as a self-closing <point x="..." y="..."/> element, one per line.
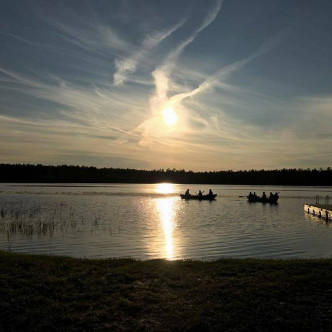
<point x="165" y="188"/>
<point x="165" y="208"/>
<point x="166" y="211"/>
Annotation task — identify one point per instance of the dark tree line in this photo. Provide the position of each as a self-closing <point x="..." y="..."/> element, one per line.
<point x="81" y="174"/>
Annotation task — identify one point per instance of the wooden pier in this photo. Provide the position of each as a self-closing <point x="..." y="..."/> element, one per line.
<point x="323" y="211"/>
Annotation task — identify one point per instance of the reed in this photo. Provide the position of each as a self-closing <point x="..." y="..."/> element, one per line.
<point x="30" y="219"/>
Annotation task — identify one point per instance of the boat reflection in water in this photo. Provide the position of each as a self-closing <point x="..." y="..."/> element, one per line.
<point x="166" y="211"/>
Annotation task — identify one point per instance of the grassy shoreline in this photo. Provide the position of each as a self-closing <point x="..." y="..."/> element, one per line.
<point x="62" y="293"/>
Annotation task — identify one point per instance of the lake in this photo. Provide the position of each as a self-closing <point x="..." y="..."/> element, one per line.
<point x="146" y="221"/>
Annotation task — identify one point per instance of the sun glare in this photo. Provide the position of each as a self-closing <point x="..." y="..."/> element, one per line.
<point x="165" y="188"/>
<point x="169" y="116"/>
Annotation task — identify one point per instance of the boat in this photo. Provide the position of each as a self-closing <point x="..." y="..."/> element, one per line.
<point x="200" y="197"/>
<point x="271" y="200"/>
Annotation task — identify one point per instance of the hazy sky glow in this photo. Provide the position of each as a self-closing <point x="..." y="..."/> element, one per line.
<point x="201" y="85"/>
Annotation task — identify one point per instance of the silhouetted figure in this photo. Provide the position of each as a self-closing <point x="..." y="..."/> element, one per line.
<point x="210" y="192"/>
<point x="264" y="196"/>
<point x="187" y="192"/>
<point x="255" y="194"/>
<point x="200" y="194"/>
<point x="271" y="196"/>
<point x="250" y="195"/>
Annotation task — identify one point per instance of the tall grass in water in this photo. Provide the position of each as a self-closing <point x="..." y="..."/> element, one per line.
<point x="32" y="218"/>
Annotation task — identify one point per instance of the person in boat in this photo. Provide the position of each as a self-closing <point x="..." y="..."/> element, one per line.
<point x="200" y="194"/>
<point x="264" y="196"/>
<point x="254" y="195"/>
<point x="210" y="192"/>
<point x="187" y="193"/>
<point x="271" y="196"/>
<point x="250" y="195"/>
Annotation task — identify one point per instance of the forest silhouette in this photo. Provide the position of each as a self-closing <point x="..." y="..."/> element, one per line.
<point x="29" y="173"/>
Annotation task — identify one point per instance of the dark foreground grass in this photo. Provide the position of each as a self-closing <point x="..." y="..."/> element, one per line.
<point x="56" y="293"/>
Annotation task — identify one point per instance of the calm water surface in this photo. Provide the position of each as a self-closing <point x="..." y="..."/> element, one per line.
<point x="151" y="221"/>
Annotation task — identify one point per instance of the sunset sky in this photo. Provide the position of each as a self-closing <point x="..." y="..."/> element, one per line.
<point x="200" y="85"/>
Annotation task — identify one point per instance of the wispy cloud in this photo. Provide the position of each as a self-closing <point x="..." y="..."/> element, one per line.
<point x="162" y="98"/>
<point x="127" y="65"/>
<point x="152" y="128"/>
<point x="192" y="125"/>
<point x="224" y="72"/>
<point x="208" y="19"/>
<point x="161" y="74"/>
<point x="93" y="107"/>
<point x="85" y="31"/>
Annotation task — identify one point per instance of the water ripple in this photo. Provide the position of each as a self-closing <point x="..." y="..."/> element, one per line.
<point x="151" y="221"/>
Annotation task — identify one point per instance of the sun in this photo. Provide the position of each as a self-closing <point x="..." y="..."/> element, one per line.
<point x="169" y="116"/>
